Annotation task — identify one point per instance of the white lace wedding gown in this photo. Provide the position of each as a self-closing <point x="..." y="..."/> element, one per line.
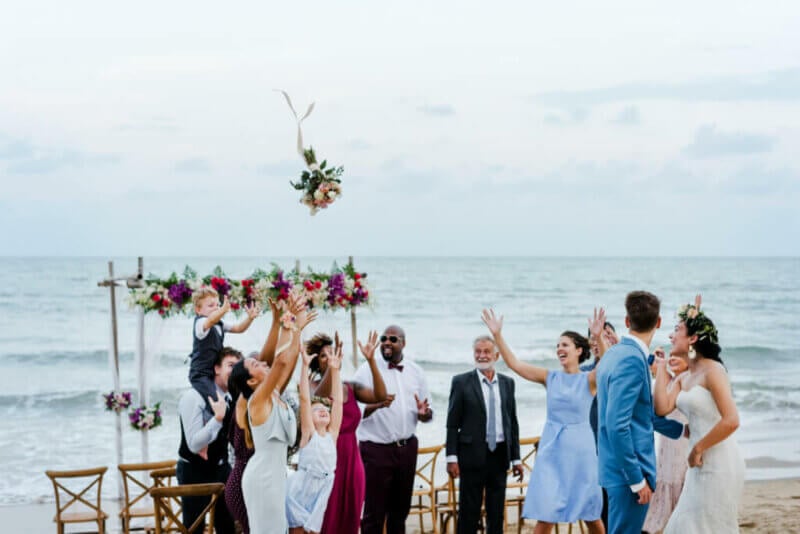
<point x="710" y="498"/>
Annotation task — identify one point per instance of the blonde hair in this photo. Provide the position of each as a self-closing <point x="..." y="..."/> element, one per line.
<point x="203" y="292"/>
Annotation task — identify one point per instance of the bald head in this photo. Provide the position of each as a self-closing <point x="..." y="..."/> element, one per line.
<point x="393" y="341"/>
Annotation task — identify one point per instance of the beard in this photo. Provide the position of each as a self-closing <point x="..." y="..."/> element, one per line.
<point x="484" y="366"/>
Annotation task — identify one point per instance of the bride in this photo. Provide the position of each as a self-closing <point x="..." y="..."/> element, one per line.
<point x="710" y="498"/>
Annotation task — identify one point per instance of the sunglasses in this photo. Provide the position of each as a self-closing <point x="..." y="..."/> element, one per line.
<point x="393" y="339"/>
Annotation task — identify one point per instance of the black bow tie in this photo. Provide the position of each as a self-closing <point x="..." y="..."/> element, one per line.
<point x="398" y="366"/>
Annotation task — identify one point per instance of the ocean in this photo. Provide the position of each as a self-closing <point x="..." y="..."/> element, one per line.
<point x="55" y="336"/>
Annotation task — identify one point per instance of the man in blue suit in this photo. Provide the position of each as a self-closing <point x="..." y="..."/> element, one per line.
<point x="626" y="447"/>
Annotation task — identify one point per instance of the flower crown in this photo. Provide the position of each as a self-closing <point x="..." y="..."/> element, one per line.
<point x="698" y="323"/>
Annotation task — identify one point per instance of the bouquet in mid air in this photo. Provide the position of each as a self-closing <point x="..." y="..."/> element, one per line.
<point x="321" y="185"/>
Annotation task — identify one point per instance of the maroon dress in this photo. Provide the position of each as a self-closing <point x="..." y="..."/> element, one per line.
<point x="233" y="487"/>
<point x="343" y="515"/>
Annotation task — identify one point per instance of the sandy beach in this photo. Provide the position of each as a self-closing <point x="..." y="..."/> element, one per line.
<point x="768" y="507"/>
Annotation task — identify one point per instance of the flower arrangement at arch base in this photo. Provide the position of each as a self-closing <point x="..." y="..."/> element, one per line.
<point x="145" y="417"/>
<point x="141" y="418"/>
<point x="342" y="288"/>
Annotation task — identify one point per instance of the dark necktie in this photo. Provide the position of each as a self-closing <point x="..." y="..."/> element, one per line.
<point x="398" y="366"/>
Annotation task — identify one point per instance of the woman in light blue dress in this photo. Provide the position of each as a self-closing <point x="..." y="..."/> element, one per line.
<point x="271" y="427"/>
<point x="563" y="487"/>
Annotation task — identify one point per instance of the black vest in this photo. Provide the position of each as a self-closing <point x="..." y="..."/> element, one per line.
<point x="217" y="449"/>
<point x="205" y="351"/>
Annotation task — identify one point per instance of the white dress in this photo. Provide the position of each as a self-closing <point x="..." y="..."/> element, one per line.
<point x="264" y="478"/>
<point x="308" y="489"/>
<point x="711" y="493"/>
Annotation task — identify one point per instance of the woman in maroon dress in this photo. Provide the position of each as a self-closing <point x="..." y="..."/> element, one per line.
<point x="343" y="515"/>
<point x="233" y="487"/>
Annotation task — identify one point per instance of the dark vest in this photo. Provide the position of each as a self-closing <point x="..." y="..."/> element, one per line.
<point x="205" y="351"/>
<point x="217" y="449"/>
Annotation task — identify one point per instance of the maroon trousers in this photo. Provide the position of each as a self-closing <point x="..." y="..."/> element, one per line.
<point x="389" y="470"/>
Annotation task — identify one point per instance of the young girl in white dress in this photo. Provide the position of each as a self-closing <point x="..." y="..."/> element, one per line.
<point x="308" y="489"/>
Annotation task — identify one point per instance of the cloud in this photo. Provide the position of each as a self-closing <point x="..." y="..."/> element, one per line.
<point x="193" y="165"/>
<point x="24" y="157"/>
<point x="709" y="142"/>
<point x="566" y="117"/>
<point x="781" y="85"/>
<point x="359" y="144"/>
<point x="437" y="110"/>
<point x="155" y="124"/>
<point x="628" y="116"/>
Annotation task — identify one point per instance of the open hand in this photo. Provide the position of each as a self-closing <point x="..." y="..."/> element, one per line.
<point x="368" y="350"/>
<point x="253" y="310"/>
<point x="307" y="358"/>
<point x="597" y="323"/>
<point x="494" y="324"/>
<point x="226" y="304"/>
<point x="335" y="359"/>
<point x="296" y="303"/>
<point x="305" y="318"/>
<point x="219" y="407"/>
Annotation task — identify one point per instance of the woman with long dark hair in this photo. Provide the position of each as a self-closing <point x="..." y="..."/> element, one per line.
<point x="715" y="480"/>
<point x="270" y="425"/>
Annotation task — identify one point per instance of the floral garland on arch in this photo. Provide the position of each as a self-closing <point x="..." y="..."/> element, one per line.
<point x="342" y="288"/>
<point x="140" y="418"/>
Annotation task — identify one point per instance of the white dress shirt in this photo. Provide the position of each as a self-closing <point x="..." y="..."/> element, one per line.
<point x="398" y="421"/>
<point x="498" y="411"/>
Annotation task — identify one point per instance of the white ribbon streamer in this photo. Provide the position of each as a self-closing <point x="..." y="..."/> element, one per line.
<point x="311" y="166"/>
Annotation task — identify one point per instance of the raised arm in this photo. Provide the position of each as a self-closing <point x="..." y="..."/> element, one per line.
<point x="217" y="316"/>
<point x="323" y="388"/>
<point x="597" y="325"/>
<point x="663" y="398"/>
<point x="720" y="388"/>
<point x="252" y="312"/>
<point x="525" y="370"/>
<point x="335" y="366"/>
<point x="295" y="306"/>
<point x="377" y="393"/>
<point x="306" y="420"/>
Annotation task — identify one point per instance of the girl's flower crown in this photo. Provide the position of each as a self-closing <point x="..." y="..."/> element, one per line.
<point x="697" y="323"/>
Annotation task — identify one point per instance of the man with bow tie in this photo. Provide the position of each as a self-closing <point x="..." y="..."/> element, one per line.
<point x="203" y="452"/>
<point x="386" y="436"/>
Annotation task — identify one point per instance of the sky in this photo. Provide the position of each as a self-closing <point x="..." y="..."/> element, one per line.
<point x="618" y="128"/>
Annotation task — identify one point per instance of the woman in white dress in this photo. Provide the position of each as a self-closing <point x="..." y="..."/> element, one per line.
<point x="715" y="480"/>
<point x="271" y="426"/>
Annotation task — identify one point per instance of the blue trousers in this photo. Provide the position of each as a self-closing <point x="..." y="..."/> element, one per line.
<point x="625" y="514"/>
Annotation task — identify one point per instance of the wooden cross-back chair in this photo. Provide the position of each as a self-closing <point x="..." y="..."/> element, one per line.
<point x="425" y="486"/>
<point x="163" y="498"/>
<point x="164" y="478"/>
<point x="137" y="503"/>
<point x="515" y="490"/>
<point x="448" y="509"/>
<point x="80" y="508"/>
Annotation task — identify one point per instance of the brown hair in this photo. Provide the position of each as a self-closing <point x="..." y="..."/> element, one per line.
<point x="642" y="309"/>
<point x="315" y="346"/>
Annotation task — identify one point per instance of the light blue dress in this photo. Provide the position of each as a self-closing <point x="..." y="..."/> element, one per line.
<point x="563" y="487"/>
<point x="264" y="478"/>
<point x="308" y="490"/>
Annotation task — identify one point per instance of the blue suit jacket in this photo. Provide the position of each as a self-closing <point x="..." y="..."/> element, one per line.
<point x="626" y="446"/>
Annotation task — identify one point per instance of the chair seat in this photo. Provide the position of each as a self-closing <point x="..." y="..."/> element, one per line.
<point x="81" y="517"/>
<point x="144" y="511"/>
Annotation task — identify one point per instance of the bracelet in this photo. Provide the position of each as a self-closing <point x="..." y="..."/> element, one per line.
<point x="288" y="321"/>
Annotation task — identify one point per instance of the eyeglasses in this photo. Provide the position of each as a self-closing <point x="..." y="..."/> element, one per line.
<point x="393" y="339"/>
